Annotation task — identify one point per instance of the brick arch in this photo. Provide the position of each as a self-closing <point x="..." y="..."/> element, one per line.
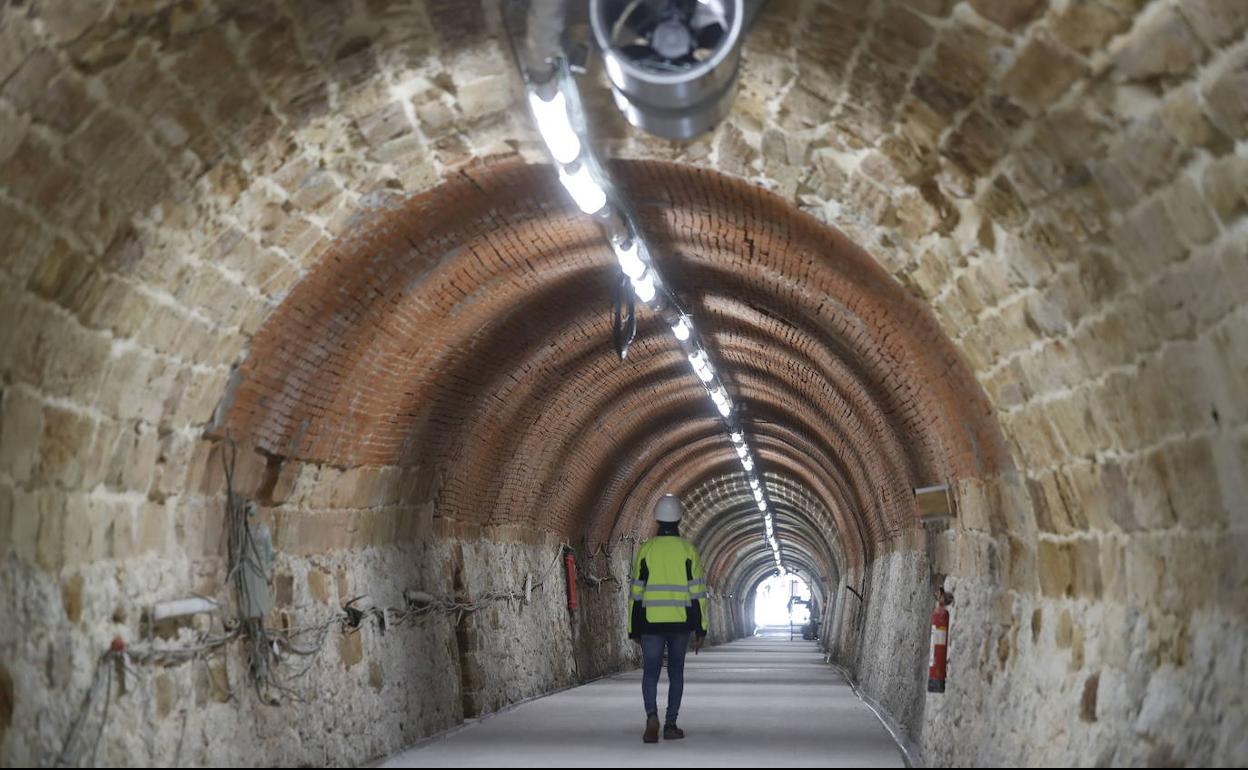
<point x="733" y="238"/>
<point x="706" y="462"/>
<point x="657" y="442"/>
<point x="688" y="465"/>
<point x="734" y="525"/>
<point x="661" y="465"/>
<point x="779" y="441"/>
<point x="737" y="521"/>
<point x="800" y="399"/>
<point x="464" y="328"/>
<point x="753" y="568"/>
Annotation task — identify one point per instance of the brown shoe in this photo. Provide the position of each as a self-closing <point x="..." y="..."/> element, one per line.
<point x="652" y="730"/>
<point x="672" y="733"/>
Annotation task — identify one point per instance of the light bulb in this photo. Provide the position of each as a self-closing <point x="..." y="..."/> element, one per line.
<point x="644" y="288"/>
<point x="758" y="495"/>
<point x="737" y="438"/>
<point x="725" y="409"/>
<point x="555" y="127"/>
<point x="630" y="262"/>
<point x="681" y="330"/>
<point x="588" y="194"/>
<point x="762" y="505"/>
<point x="705" y="374"/>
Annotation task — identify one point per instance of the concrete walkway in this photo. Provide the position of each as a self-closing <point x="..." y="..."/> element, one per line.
<point x="758" y="702"/>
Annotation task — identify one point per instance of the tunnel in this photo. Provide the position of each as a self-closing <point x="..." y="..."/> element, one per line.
<point x="319" y="444"/>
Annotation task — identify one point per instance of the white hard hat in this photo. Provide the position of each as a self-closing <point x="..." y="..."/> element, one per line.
<point x="669" y="509"/>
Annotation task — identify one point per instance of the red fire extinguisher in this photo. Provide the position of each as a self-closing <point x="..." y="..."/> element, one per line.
<point x="937" y="658"/>
<point x="569" y="560"/>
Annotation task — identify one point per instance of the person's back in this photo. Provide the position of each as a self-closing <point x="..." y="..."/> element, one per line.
<point x="667" y="604"/>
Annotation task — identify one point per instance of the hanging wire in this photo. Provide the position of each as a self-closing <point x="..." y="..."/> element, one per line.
<point x="271" y="652"/>
<point x="603" y="549"/>
<point x="244" y="557"/>
<point x="101" y="679"/>
<point x="624" y="319"/>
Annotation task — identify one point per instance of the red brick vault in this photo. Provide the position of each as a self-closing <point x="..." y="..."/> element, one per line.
<point x="465" y="331"/>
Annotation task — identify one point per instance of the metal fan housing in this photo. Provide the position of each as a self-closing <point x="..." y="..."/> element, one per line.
<point x="672" y="63"/>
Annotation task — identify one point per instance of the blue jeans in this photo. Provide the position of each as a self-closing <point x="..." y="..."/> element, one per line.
<point x="677" y="644"/>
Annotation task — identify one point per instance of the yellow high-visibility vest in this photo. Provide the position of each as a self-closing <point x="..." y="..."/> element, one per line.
<point x="673" y="582"/>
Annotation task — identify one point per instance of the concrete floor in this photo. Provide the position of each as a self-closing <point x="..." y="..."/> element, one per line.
<point x="759" y="702"/>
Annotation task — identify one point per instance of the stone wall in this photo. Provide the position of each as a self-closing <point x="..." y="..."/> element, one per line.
<point x="890" y="662"/>
<point x="1060" y="675"/>
<point x="1161" y="676"/>
<point x="602" y="643"/>
<point x="722" y="629"/>
<point x="370" y="692"/>
<point x="1126" y="653"/>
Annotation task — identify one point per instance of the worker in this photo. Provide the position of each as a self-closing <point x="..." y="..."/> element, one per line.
<point x="667" y="604"/>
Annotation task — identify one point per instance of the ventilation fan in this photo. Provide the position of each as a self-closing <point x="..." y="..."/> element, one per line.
<point x="669" y="36"/>
<point x="672" y="63"/>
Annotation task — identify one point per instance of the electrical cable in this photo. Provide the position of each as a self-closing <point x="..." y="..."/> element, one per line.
<point x="268" y="648"/>
<point x="624" y="319"/>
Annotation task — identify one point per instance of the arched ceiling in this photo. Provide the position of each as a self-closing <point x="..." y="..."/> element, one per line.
<point x="722" y="521"/>
<point x="466" y="330"/>
<point x="299" y="186"/>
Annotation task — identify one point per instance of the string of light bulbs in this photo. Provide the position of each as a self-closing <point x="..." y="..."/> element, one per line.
<point x="560" y="119"/>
